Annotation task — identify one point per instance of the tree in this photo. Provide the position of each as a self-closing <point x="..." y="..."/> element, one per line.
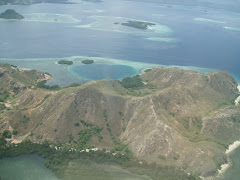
<point x="7" y="134"/>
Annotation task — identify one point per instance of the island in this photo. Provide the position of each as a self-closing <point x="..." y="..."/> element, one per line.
<point x="88" y="61"/>
<point x="94" y="1"/>
<point x="67" y="62"/>
<point x="11" y="14"/>
<point x="182" y="106"/>
<point x="27" y="2"/>
<point x="138" y="24"/>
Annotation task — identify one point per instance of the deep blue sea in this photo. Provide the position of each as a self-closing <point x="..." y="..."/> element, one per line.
<point x="190" y="37"/>
<point x="184" y="36"/>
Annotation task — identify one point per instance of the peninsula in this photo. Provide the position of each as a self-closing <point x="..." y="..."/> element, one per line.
<point x="159" y="122"/>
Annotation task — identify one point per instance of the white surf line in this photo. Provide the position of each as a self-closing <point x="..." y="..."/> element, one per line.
<point x="231" y="148"/>
<point x="238" y="98"/>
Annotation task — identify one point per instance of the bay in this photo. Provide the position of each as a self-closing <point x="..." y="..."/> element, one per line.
<point x="26" y="167"/>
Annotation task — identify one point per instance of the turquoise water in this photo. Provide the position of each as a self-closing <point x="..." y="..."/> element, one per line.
<point x="198" y="38"/>
<point x="27" y="167"/>
<point x="103" y="71"/>
<point x="183" y="36"/>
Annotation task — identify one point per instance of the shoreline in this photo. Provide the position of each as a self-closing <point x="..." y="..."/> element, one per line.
<point x="231" y="148"/>
<point x="31" y="63"/>
<point x="238" y="98"/>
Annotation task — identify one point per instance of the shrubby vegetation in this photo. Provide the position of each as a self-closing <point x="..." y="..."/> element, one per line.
<point x="86" y="134"/>
<point x="6" y="134"/>
<point x="134" y="82"/>
<point x="42" y="84"/>
<point x="58" y="159"/>
<point x="138" y="24"/>
<point x="85" y="123"/>
<point x="74" y="85"/>
<point x="3" y="96"/>
<point x="67" y="62"/>
<point x="76" y="124"/>
<point x="88" y="61"/>
<point x="2" y="107"/>
<point x="15" y="132"/>
<point x="25" y="119"/>
<point x="148" y="70"/>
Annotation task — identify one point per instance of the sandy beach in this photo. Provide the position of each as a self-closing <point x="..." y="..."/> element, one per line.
<point x="238" y="98"/>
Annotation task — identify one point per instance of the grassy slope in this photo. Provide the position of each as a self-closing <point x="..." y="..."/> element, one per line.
<point x="171" y="120"/>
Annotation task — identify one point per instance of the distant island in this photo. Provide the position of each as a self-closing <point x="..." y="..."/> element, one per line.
<point x="67" y="62"/>
<point x="11" y="14"/>
<point x="27" y="2"/>
<point x="138" y="24"/>
<point x="88" y="61"/>
<point x="94" y="1"/>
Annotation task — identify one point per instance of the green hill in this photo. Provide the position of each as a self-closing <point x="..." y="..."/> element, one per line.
<point x="171" y="117"/>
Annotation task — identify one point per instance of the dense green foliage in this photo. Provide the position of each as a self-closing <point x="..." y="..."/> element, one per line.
<point x="85" y="123"/>
<point x="85" y="136"/>
<point x="7" y="134"/>
<point x="138" y="24"/>
<point x="3" y="142"/>
<point x="42" y="84"/>
<point x="3" y="96"/>
<point x="15" y="132"/>
<point x="88" y="61"/>
<point x="134" y="82"/>
<point x="25" y="119"/>
<point x="2" y="107"/>
<point x="148" y="70"/>
<point x="67" y="62"/>
<point x="58" y="159"/>
<point x="11" y="14"/>
<point x="74" y="85"/>
<point x="76" y="124"/>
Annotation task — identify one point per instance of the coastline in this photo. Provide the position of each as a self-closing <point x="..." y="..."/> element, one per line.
<point x="231" y="148"/>
<point x="238" y="98"/>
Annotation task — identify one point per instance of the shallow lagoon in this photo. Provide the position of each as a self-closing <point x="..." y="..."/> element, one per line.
<point x="27" y="167"/>
<point x="65" y="75"/>
<point x="202" y="39"/>
<point x="103" y="71"/>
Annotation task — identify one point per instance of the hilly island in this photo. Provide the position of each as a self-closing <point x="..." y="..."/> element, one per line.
<point x="11" y="14"/>
<point x="162" y="124"/>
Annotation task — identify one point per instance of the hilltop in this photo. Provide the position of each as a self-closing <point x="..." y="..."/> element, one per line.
<point x="166" y="115"/>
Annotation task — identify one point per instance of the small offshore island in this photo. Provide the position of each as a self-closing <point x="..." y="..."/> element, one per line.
<point x="137" y="24"/>
<point x="11" y="14"/>
<point x="26" y="2"/>
<point x="88" y="61"/>
<point x="67" y="62"/>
